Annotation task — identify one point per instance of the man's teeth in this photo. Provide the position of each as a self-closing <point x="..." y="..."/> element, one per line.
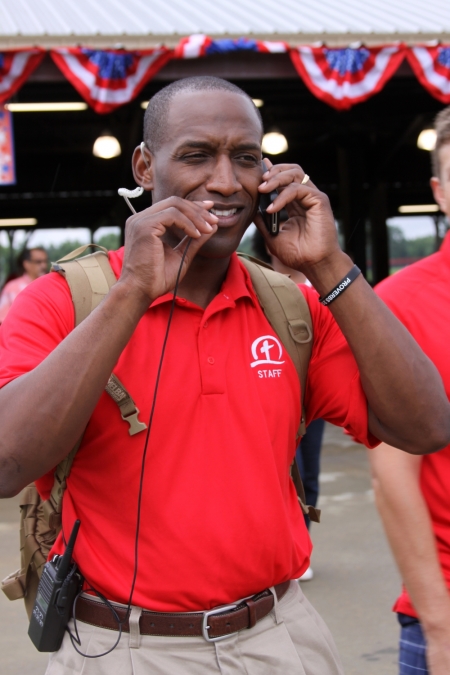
<point x="228" y="212"/>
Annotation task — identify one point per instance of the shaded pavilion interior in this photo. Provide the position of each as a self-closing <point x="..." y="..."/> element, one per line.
<point x="365" y="159"/>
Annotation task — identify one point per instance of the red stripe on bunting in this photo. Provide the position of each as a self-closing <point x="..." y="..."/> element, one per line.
<point x="431" y="66"/>
<point x="342" y="77"/>
<point x="109" y="78"/>
<point x="15" y="68"/>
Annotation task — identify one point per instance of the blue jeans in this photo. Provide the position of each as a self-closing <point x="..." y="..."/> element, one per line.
<point x="308" y="460"/>
<point x="412" y="654"/>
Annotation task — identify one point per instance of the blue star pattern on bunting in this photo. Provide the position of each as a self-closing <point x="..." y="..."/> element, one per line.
<point x="111" y="66"/>
<point x="444" y="57"/>
<point x="346" y="60"/>
<point x="226" y="45"/>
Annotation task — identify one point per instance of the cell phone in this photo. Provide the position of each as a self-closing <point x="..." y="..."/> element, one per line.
<point x="271" y="220"/>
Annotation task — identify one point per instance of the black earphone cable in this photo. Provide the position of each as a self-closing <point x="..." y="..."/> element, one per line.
<point x="75" y="638"/>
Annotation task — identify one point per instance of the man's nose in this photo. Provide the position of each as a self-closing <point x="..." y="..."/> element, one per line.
<point x="223" y="178"/>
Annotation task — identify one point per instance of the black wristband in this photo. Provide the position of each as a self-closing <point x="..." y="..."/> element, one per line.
<point x="342" y="285"/>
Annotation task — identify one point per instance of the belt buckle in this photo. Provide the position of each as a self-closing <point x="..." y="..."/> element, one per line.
<point x="205" y="627"/>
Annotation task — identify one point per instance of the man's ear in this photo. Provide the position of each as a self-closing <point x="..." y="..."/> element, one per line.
<point x="438" y="193"/>
<point x="142" y="165"/>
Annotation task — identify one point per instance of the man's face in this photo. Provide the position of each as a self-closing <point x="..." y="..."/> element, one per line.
<point x="441" y="185"/>
<point x="212" y="151"/>
<point x="37" y="265"/>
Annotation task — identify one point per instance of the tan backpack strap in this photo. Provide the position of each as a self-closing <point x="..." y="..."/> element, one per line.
<point x="53" y="505"/>
<point x="127" y="407"/>
<point x="311" y="511"/>
<point x="288" y="313"/>
<point x="90" y="278"/>
<point x="80" y="250"/>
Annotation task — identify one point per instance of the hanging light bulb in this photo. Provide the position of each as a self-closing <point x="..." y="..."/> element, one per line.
<point x="274" y="143"/>
<point x="106" y="147"/>
<point x="427" y="139"/>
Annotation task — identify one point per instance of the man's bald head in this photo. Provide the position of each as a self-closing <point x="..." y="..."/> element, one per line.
<point x="157" y="112"/>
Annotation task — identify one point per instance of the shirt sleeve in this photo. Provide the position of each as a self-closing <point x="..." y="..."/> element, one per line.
<point x="333" y="389"/>
<point x="40" y="318"/>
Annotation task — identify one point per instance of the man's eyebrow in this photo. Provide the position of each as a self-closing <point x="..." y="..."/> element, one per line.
<point x="207" y="145"/>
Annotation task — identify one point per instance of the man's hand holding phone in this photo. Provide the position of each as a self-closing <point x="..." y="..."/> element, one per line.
<point x="307" y="241"/>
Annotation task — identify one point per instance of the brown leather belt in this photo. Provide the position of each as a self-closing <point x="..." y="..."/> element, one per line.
<point x="214" y="624"/>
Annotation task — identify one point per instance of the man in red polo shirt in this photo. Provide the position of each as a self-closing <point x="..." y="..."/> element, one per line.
<point x="219" y="515"/>
<point x="416" y="489"/>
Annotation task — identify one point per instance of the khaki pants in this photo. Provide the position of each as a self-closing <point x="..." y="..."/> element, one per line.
<point x="291" y="640"/>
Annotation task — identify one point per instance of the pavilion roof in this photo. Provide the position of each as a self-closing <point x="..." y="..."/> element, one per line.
<point x="139" y="23"/>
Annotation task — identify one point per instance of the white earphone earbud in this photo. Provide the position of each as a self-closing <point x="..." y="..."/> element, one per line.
<point x="130" y="194"/>
<point x="142" y="147"/>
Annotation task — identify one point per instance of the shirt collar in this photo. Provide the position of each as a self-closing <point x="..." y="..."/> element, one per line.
<point x="237" y="283"/>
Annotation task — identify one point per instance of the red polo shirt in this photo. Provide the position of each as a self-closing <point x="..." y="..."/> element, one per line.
<point x="220" y="517"/>
<point x="419" y="296"/>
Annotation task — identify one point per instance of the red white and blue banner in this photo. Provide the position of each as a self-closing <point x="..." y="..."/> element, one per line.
<point x="196" y="46"/>
<point x="7" y="165"/>
<point x="431" y="66"/>
<point x="109" y="78"/>
<point x="15" y="68"/>
<point x="342" y="77"/>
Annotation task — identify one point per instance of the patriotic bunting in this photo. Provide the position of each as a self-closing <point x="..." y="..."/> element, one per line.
<point x="431" y="66"/>
<point x="201" y="45"/>
<point x="342" y="77"/>
<point x="15" y="68"/>
<point x="107" y="79"/>
<point x="192" y="47"/>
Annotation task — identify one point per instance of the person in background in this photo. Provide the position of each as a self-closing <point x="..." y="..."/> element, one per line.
<point x="34" y="263"/>
<point x="308" y="451"/>
<point x="412" y="492"/>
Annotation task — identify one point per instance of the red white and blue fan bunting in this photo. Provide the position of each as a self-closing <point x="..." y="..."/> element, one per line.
<point x="15" y="68"/>
<point x="107" y="79"/>
<point x="342" y="77"/>
<point x="202" y="45"/>
<point x="431" y="65"/>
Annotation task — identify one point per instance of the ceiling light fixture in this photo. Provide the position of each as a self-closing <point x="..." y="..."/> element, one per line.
<point x="18" y="222"/>
<point x="418" y="208"/>
<point x="426" y="140"/>
<point x="106" y="147"/>
<point x="274" y="143"/>
<point x="258" y="102"/>
<point x="46" y="107"/>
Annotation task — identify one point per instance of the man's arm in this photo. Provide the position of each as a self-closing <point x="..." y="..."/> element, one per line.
<point x="408" y="528"/>
<point x="401" y="384"/>
<point x="44" y="413"/>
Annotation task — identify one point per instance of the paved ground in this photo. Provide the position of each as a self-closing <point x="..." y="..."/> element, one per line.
<point x="354" y="586"/>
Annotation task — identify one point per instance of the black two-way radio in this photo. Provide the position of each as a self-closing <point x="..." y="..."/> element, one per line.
<point x="58" y="586"/>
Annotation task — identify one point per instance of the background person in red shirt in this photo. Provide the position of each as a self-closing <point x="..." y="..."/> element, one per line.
<point x="220" y="518"/>
<point x="412" y="492"/>
<point x="34" y="262"/>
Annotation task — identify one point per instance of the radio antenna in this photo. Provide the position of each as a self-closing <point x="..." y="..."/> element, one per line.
<point x="66" y="558"/>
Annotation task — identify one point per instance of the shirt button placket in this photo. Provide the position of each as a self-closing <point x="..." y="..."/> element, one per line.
<point x="212" y="382"/>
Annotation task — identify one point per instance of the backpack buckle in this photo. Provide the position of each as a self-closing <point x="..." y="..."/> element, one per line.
<point x="136" y="425"/>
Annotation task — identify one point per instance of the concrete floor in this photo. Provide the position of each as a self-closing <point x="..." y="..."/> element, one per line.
<point x="355" y="581"/>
